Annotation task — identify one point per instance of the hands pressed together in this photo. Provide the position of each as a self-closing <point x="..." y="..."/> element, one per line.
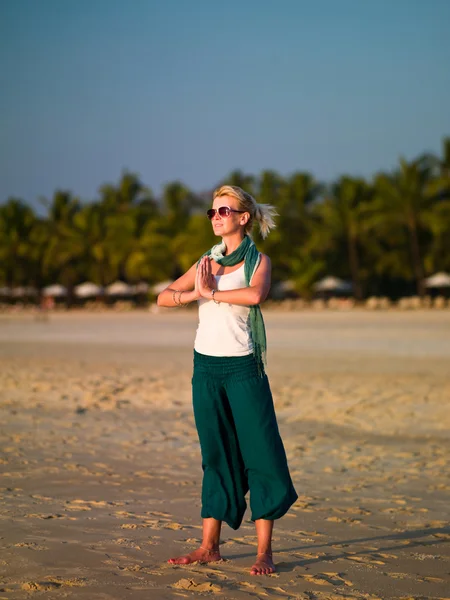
<point x="199" y="282"/>
<point x="205" y="281"/>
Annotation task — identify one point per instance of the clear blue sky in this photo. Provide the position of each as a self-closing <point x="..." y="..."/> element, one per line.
<point x="192" y="89"/>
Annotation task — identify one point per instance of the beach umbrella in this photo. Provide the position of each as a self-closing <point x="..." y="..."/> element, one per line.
<point x="56" y="290"/>
<point x="23" y="291"/>
<point x="5" y="291"/>
<point x="119" y="288"/>
<point x="87" y="290"/>
<point x="438" y="280"/>
<point x="332" y="284"/>
<point x="141" y="288"/>
<point x="159" y="287"/>
<point x="282" y="289"/>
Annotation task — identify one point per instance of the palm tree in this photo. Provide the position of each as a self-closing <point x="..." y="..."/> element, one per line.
<point x="268" y="190"/>
<point x="92" y="238"/>
<point x="19" y="263"/>
<point x="437" y="221"/>
<point x="152" y="259"/>
<point x="244" y="181"/>
<point x="296" y="198"/>
<point x="178" y="203"/>
<point x="191" y="243"/>
<point x="57" y="261"/>
<point x="81" y="249"/>
<point x="293" y="198"/>
<point x="61" y="209"/>
<point x="402" y="199"/>
<point x="339" y="224"/>
<point x="127" y="209"/>
<point x="129" y="192"/>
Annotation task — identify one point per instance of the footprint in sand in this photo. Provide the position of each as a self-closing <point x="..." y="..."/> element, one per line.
<point x="44" y="498"/>
<point x="429" y="579"/>
<point x="335" y="579"/>
<point x="348" y="596"/>
<point x="193" y="586"/>
<point x="344" y="520"/>
<point x="366" y="559"/>
<point x="309" y="555"/>
<point x="246" y="540"/>
<point x="53" y="583"/>
<point x="127" y="543"/>
<point x="50" y="516"/>
<point x="153" y="524"/>
<point x="357" y="510"/>
<point x="442" y="536"/>
<point x="30" y="546"/>
<point x="84" y="505"/>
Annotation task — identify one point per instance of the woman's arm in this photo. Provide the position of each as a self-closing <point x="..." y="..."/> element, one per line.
<point x="186" y="284"/>
<point x="253" y="294"/>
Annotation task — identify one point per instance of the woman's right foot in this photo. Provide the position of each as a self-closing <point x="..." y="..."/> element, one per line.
<point x="199" y="555"/>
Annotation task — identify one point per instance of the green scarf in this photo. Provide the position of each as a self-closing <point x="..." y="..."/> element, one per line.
<point x="246" y="251"/>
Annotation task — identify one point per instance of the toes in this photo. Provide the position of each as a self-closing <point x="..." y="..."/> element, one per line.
<point x="262" y="570"/>
<point x="181" y="560"/>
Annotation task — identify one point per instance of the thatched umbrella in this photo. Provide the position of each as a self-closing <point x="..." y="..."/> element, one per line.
<point x="283" y="289"/>
<point x="333" y="284"/>
<point x="438" y="280"/>
<point x="141" y="288"/>
<point x="119" y="288"/>
<point x="23" y="292"/>
<point x="159" y="287"/>
<point x="88" y="290"/>
<point x="56" y="291"/>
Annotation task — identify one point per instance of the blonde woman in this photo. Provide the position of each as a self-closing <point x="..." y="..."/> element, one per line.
<point x="233" y="408"/>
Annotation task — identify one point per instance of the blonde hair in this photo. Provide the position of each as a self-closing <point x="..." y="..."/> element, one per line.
<point x="261" y="213"/>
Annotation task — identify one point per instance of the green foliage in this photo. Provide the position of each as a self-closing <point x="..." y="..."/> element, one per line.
<point x="17" y="255"/>
<point x="383" y="234"/>
<point x="402" y="201"/>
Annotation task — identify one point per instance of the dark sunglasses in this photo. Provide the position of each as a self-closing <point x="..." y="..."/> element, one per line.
<point x="224" y="211"/>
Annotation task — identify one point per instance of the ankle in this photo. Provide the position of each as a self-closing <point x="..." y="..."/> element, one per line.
<point x="210" y="547"/>
<point x="267" y="552"/>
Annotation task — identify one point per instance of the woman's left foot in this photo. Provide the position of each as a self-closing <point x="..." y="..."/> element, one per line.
<point x="263" y="565"/>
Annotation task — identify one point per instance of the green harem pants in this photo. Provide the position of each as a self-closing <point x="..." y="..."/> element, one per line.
<point x="240" y="443"/>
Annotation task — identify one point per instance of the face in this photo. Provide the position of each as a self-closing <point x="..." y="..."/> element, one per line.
<point x="231" y="224"/>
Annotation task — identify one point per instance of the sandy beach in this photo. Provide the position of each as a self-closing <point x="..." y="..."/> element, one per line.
<point x="100" y="471"/>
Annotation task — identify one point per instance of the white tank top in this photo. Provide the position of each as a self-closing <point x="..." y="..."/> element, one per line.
<point x="224" y="329"/>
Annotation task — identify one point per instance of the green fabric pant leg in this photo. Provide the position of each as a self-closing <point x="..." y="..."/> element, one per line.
<point x="224" y="481"/>
<point x="240" y="443"/>
<point x="271" y="490"/>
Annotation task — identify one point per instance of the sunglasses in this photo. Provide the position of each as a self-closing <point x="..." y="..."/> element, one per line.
<point x="223" y="211"/>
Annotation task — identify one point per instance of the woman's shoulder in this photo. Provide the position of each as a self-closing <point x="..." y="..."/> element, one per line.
<point x="265" y="261"/>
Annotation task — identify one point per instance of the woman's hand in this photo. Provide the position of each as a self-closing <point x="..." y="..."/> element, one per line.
<point x="205" y="280"/>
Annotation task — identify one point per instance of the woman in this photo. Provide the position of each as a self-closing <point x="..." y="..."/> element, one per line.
<point x="233" y="407"/>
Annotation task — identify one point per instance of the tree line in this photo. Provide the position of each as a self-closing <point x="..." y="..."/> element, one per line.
<point x="384" y="234"/>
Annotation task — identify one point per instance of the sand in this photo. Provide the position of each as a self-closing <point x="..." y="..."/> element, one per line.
<point x="100" y="472"/>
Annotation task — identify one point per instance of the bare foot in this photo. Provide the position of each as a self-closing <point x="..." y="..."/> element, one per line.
<point x="263" y="565"/>
<point x="199" y="555"/>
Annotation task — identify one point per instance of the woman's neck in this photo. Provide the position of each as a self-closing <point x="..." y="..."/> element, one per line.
<point x="232" y="242"/>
